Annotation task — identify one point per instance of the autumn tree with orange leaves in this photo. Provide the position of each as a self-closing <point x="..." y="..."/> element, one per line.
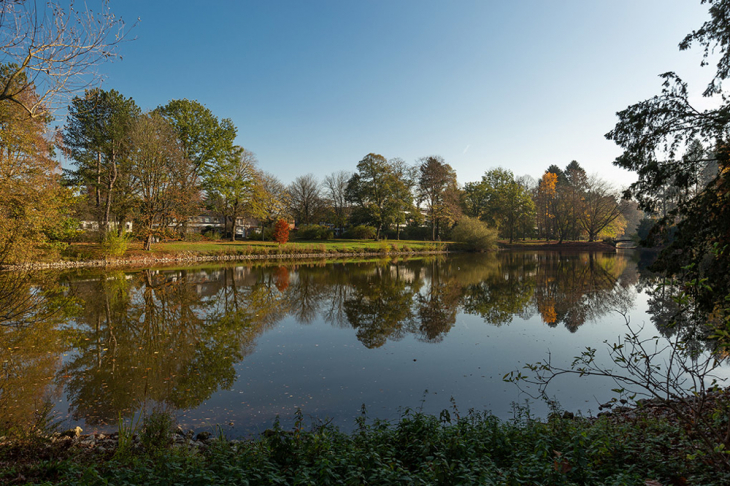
<point x="281" y="231"/>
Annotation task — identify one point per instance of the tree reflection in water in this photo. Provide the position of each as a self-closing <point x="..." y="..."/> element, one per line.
<point x="165" y="338"/>
<point x="571" y="289"/>
<point x="33" y="340"/>
<point x="172" y="338"/>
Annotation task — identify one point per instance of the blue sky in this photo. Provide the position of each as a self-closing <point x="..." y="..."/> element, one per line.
<point x="314" y="86"/>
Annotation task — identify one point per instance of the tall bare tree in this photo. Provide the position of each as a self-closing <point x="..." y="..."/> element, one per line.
<point x="305" y="199"/>
<point x="335" y="188"/>
<point x="53" y="49"/>
<point x="601" y="207"/>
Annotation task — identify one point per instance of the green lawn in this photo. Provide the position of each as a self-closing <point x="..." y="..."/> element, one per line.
<point x="332" y="246"/>
<point x="92" y="251"/>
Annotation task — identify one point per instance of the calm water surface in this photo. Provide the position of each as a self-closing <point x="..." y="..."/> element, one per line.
<point x="238" y="345"/>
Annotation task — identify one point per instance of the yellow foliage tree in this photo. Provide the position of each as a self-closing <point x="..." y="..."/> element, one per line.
<point x="31" y="198"/>
<point x="544" y="203"/>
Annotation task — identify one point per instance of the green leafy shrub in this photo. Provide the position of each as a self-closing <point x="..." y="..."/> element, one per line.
<point x="257" y="235"/>
<point x="193" y="237"/>
<point x="156" y="430"/>
<point x="211" y="234"/>
<point x="67" y="229"/>
<point x="114" y="244"/>
<point x="415" y="233"/>
<point x="360" y="232"/>
<point x="474" y="235"/>
<point x="314" y="232"/>
<point x="448" y="449"/>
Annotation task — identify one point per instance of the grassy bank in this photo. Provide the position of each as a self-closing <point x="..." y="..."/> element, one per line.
<point x="94" y="251"/>
<point x="166" y="252"/>
<point x="175" y="249"/>
<point x="418" y="449"/>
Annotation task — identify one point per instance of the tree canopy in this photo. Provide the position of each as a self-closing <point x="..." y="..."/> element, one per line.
<point x="657" y="135"/>
<point x="205" y="139"/>
<point x="97" y="138"/>
<point x="437" y="187"/>
<point x="370" y="189"/>
<point x="235" y="188"/>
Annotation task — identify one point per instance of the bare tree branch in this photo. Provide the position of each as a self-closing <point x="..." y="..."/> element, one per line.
<point x="54" y="50"/>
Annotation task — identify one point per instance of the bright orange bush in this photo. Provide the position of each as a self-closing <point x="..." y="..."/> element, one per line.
<point x="281" y="231"/>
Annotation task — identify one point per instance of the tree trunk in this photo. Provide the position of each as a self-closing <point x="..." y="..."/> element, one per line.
<point x="98" y="182"/>
<point x="110" y="187"/>
<point x="433" y="226"/>
<point x="148" y="242"/>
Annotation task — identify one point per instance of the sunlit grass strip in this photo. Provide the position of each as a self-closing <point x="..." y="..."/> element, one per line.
<point x="337" y="246"/>
<point x="89" y="252"/>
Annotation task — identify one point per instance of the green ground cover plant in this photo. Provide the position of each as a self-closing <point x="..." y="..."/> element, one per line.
<point x="450" y="449"/>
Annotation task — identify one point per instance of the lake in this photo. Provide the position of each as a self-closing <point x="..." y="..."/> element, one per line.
<point x="238" y="345"/>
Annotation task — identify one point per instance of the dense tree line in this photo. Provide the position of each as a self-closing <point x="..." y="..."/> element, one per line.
<point x="391" y="195"/>
<point x="158" y="168"/>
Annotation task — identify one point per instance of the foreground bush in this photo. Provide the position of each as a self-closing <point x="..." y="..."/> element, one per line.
<point x="474" y="235"/>
<point x="419" y="449"/>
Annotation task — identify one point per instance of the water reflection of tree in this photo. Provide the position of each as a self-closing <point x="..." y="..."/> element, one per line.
<point x="173" y="337"/>
<point x="393" y="299"/>
<point x="674" y="314"/>
<point x="574" y="288"/>
<point x="335" y="289"/>
<point x="31" y="345"/>
<point x="381" y="304"/>
<point x="505" y="288"/>
<point x="438" y="302"/>
<point x="306" y="292"/>
<point x="168" y="338"/>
